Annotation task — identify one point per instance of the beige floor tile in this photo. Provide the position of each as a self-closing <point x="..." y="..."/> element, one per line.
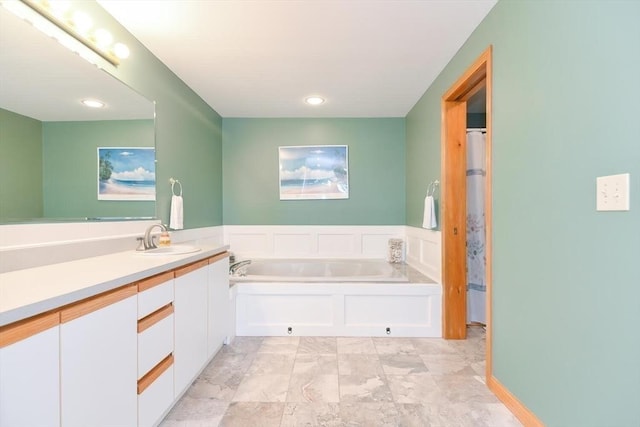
<point x="359" y="364"/>
<point x="191" y="411"/>
<point x="355" y="345"/>
<point x="316" y="364"/>
<point x="253" y="414"/>
<point x="313" y="389"/>
<point x="402" y="364"/>
<point x="415" y="389"/>
<point x="447" y="364"/>
<point x="464" y="389"/>
<point x="387" y="345"/>
<point x="344" y="381"/>
<point x="262" y="388"/>
<point x="319" y="345"/>
<point x="360" y="388"/>
<point x="272" y="363"/>
<point x="432" y="346"/>
<point x="281" y="345"/>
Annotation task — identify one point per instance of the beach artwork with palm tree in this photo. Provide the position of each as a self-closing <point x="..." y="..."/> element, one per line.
<point x="126" y="173"/>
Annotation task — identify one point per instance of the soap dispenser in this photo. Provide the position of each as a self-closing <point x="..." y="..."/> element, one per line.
<point x="165" y="239"/>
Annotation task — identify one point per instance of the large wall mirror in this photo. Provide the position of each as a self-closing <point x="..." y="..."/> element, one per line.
<point x="49" y="141"/>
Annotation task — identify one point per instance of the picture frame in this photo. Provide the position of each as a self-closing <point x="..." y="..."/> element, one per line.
<point x="314" y="172"/>
<point x="126" y="173"/>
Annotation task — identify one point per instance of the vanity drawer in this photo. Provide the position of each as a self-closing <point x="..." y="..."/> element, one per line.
<point x="154" y="293"/>
<point x="156" y="398"/>
<point x="155" y="342"/>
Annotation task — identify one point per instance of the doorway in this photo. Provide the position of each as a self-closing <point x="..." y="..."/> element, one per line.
<point x="477" y="78"/>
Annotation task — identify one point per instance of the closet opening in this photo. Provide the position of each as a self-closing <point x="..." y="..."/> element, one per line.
<point x="466" y="218"/>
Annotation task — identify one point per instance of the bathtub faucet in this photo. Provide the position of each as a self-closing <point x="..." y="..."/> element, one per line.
<point x="233" y="268"/>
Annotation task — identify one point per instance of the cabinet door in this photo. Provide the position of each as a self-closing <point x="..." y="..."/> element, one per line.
<point x="30" y="376"/>
<point x="190" y="317"/>
<point x="98" y="359"/>
<point x="218" y="302"/>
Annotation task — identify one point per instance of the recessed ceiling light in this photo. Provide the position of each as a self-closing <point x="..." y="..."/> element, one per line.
<point x="314" y="100"/>
<point x="93" y="103"/>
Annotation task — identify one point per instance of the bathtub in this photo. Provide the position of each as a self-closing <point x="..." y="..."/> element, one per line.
<point x="277" y="297"/>
<point x="324" y="270"/>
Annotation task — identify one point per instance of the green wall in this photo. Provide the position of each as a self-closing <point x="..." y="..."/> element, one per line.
<point x="70" y="167"/>
<point x="20" y="166"/>
<point x="376" y="171"/>
<point x="188" y="131"/>
<point x="566" y="294"/>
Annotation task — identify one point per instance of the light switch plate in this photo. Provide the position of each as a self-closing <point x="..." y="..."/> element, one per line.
<point x="612" y="192"/>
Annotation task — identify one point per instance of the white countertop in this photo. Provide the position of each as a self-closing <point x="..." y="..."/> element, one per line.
<point x="25" y="293"/>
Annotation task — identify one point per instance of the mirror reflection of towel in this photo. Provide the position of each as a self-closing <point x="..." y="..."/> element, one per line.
<point x="175" y="221"/>
<point x="429" y="220"/>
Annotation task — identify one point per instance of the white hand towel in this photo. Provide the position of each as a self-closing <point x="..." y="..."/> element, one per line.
<point x="429" y="220"/>
<point x="175" y="221"/>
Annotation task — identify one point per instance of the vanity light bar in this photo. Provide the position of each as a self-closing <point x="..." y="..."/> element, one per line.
<point x="42" y="9"/>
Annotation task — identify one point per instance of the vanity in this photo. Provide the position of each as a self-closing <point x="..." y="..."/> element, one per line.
<point x="109" y="340"/>
<point x="90" y="335"/>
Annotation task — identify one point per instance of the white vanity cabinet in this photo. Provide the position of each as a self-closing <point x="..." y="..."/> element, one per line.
<point x="98" y="355"/>
<point x="155" y="347"/>
<point x="218" y="318"/>
<point x="30" y="372"/>
<point x="118" y="358"/>
<point x="191" y="311"/>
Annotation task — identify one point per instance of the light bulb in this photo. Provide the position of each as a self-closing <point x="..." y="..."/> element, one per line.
<point x="103" y="38"/>
<point x="82" y="22"/>
<point x="93" y="103"/>
<point x="314" y="100"/>
<point x="59" y="8"/>
<point x="121" y="50"/>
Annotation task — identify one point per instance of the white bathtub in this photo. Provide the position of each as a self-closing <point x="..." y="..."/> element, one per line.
<point x="335" y="298"/>
<point x="323" y="270"/>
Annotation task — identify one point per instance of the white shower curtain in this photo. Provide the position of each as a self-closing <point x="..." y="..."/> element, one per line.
<point x="476" y="287"/>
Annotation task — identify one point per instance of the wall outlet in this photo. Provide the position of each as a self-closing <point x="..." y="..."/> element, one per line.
<point x="612" y="192"/>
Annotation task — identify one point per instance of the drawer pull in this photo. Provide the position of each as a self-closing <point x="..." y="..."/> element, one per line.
<point x="155" y="317"/>
<point x="97" y="302"/>
<point x="23" y="329"/>
<point x="154" y="373"/>
<point x="159" y="279"/>
<point x="190" y="267"/>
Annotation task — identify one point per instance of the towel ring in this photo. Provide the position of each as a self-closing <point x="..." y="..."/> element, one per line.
<point x="173" y="183"/>
<point x="431" y="189"/>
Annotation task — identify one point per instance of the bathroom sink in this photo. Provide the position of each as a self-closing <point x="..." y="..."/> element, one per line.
<point x="172" y="250"/>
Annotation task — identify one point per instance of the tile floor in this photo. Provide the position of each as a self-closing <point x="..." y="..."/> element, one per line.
<point x="329" y="381"/>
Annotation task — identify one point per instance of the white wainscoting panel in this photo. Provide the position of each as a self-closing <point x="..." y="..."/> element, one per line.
<point x="311" y="241"/>
<point x="298" y="244"/>
<point x="334" y="245"/>
<point x="205" y="235"/>
<point x="424" y="251"/>
<point x="339" y="309"/>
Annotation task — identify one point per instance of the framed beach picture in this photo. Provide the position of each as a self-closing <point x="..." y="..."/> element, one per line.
<point x="126" y="173"/>
<point x="314" y="172"/>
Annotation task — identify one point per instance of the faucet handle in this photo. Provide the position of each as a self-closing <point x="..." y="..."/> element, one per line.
<point x="140" y="243"/>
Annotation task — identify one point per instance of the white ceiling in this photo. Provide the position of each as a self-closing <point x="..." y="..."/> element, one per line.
<point x="367" y="58"/>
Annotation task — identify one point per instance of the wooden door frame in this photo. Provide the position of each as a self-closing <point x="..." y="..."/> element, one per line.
<point x="453" y="205"/>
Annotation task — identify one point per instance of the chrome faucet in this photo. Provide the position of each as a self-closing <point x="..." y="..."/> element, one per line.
<point x="233" y="268"/>
<point x="148" y="241"/>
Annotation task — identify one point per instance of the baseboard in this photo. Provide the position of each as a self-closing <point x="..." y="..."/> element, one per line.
<point x="526" y="417"/>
